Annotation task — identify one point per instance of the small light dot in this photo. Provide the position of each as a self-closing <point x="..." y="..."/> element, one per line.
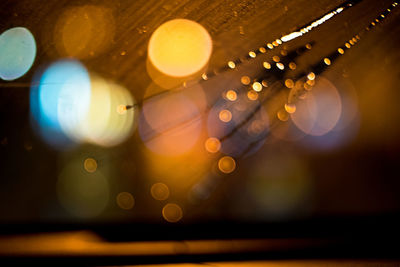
<point x="213" y="145"/>
<point x="311" y="76"/>
<point x="274" y="43"/>
<point x="282" y="115"/>
<point x="267" y="65"/>
<point x="347" y="45"/>
<point x="289" y="83"/>
<point x="327" y="61"/>
<point x="121" y="109"/>
<point x="252" y="95"/>
<point x="382" y="16"/>
<point x="283" y="52"/>
<point x="252" y="54"/>
<point x="204" y="76"/>
<point x="257" y="86"/>
<point x="377" y="20"/>
<point x="357" y="37"/>
<point x="308" y="46"/>
<point x="292" y="65"/>
<point x="159" y="191"/>
<point x="125" y="200"/>
<point x="276" y="58"/>
<point x="270" y="46"/>
<point x="373" y="23"/>
<point x="354" y="40"/>
<point x="90" y="165"/>
<point x="231" y="95"/>
<point x="351" y="42"/>
<point x="262" y="50"/>
<point x="264" y="83"/>
<point x="279" y="41"/>
<point x="225" y="115"/>
<point x="290" y="108"/>
<point x="226" y="164"/>
<point x="231" y="64"/>
<point x="311" y="82"/>
<point x="172" y="213"/>
<point x="245" y="80"/>
<point x="341" y="51"/>
<point x="280" y="66"/>
<point x="307" y="86"/>
<point x="123" y="53"/>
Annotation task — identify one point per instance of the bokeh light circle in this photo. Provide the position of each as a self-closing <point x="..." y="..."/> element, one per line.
<point x="81" y="193"/>
<point x="180" y="47"/>
<point x="17" y="53"/>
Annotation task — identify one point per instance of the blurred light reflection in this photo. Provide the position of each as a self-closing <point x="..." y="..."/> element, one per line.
<point x="179" y="48"/>
<point x="17" y="53"/>
<point x="84" y="31"/>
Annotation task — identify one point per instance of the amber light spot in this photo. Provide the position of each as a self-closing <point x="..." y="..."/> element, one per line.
<point x="327" y="61"/>
<point x="252" y="95"/>
<point x="90" y="165"/>
<point x="213" y="145"/>
<point x="231" y="64"/>
<point x="225" y="115"/>
<point x="245" y="80"/>
<point x="172" y="213"/>
<point x="290" y="108"/>
<point x="267" y="65"/>
<point x="226" y="164"/>
<point x="125" y="200"/>
<point x="252" y="54"/>
<point x="231" y="95"/>
<point x="159" y="191"/>
<point x="121" y="109"/>
<point x="289" y="83"/>
<point x="282" y="115"/>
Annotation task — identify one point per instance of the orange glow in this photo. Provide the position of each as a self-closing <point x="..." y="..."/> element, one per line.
<point x="290" y="108"/>
<point x="225" y="115"/>
<point x="341" y="51"/>
<point x="252" y="95"/>
<point x="121" y="109"/>
<point x="266" y="65"/>
<point x="311" y="76"/>
<point x="347" y="45"/>
<point x="213" y="145"/>
<point x="327" y="61"/>
<point x="245" y="80"/>
<point x="282" y="115"/>
<point x="231" y="95"/>
<point x="262" y="50"/>
<point x="276" y="58"/>
<point x="270" y="46"/>
<point x="172" y="213"/>
<point x="292" y="65"/>
<point x="289" y="83"/>
<point x="180" y="47"/>
<point x="159" y="191"/>
<point x="125" y="200"/>
<point x="226" y="164"/>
